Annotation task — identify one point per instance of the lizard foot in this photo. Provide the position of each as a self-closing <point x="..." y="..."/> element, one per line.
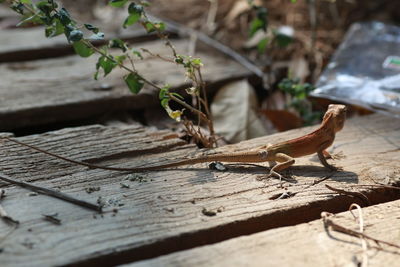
<point x="337" y="156"/>
<point x="277" y="175"/>
<point x="274" y="174"/>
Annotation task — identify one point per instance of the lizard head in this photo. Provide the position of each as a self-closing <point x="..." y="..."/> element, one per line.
<point x="337" y="115"/>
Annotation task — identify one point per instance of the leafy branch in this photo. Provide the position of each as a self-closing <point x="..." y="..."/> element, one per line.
<point x="57" y="20"/>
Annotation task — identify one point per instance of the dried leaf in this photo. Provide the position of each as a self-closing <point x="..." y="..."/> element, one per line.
<point x="238" y="8"/>
<point x="234" y="111"/>
<point x="283" y="120"/>
<point x="299" y="68"/>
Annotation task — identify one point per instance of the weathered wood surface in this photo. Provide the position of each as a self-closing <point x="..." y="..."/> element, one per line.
<point x="170" y="212"/>
<point x="56" y="90"/>
<point x="6" y="12"/>
<point x="308" y="244"/>
<point x="21" y="44"/>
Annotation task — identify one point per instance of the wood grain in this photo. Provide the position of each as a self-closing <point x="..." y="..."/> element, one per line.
<point x="22" y="44"/>
<point x="171" y="210"/>
<point x="56" y="90"/>
<point x="308" y="244"/>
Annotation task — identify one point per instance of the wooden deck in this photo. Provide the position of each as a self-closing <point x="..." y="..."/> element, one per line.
<point x="154" y="213"/>
<point x="187" y="216"/>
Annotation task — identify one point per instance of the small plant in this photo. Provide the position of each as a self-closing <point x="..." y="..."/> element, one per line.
<point x="281" y="36"/>
<point x="57" y="20"/>
<point x="298" y="93"/>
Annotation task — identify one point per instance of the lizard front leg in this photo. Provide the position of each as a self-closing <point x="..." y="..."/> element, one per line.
<point x="285" y="162"/>
<point x="322" y="155"/>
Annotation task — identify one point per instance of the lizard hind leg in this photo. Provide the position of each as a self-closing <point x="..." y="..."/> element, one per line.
<point x="285" y="162"/>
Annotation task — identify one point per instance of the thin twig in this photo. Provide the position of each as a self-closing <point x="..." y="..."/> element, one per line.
<point x="349" y="193"/>
<point x="312" y="7"/>
<point x="52" y="193"/>
<point x="3" y="213"/>
<point x="186" y="31"/>
<point x="212" y="14"/>
<point x="6" y="217"/>
<point x="364" y="244"/>
<point x="377" y="185"/>
<point x="338" y="228"/>
<point x="157" y="55"/>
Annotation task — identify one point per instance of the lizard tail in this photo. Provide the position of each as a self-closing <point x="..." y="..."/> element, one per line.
<point x="244" y="157"/>
<point x="247" y="157"/>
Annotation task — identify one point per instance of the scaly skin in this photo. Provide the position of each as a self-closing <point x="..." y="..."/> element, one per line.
<point x="283" y="153"/>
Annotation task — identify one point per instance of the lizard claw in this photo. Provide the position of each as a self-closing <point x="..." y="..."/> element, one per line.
<point x="277" y="175"/>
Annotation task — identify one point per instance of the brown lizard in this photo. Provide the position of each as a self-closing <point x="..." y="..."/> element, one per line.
<point x="283" y="153"/>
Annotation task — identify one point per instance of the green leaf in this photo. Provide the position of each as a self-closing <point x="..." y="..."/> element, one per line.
<point x="262" y="13"/>
<point x="55" y="29"/>
<point x="262" y="45"/>
<point x="26" y="1"/>
<point x="153" y="26"/>
<point x="164" y="92"/>
<point x="255" y="25"/>
<point x="120" y="59"/>
<point x="164" y="103"/>
<point x="97" y="36"/>
<point x="137" y="53"/>
<point x="150" y="27"/>
<point x="178" y="96"/>
<point x="160" y="26"/>
<point x="117" y="3"/>
<point x="132" y="19"/>
<point x="18" y="7"/>
<point x="45" y="7"/>
<point x="96" y="75"/>
<point x="64" y="16"/>
<point x="179" y="59"/>
<point x="82" y="50"/>
<point x="135" y="9"/>
<point x="106" y="64"/>
<point x="91" y="28"/>
<point x="197" y="62"/>
<point x="117" y="43"/>
<point x="75" y="35"/>
<point x="67" y="30"/>
<point x="134" y="82"/>
<point x="283" y="40"/>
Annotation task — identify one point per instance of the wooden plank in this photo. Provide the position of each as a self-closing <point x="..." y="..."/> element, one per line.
<point x="307" y="244"/>
<point x="21" y="44"/>
<point x="62" y="89"/>
<point x="170" y="211"/>
<point x="6" y="12"/>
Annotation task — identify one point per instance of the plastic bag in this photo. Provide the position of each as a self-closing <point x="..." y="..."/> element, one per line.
<point x="365" y="70"/>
